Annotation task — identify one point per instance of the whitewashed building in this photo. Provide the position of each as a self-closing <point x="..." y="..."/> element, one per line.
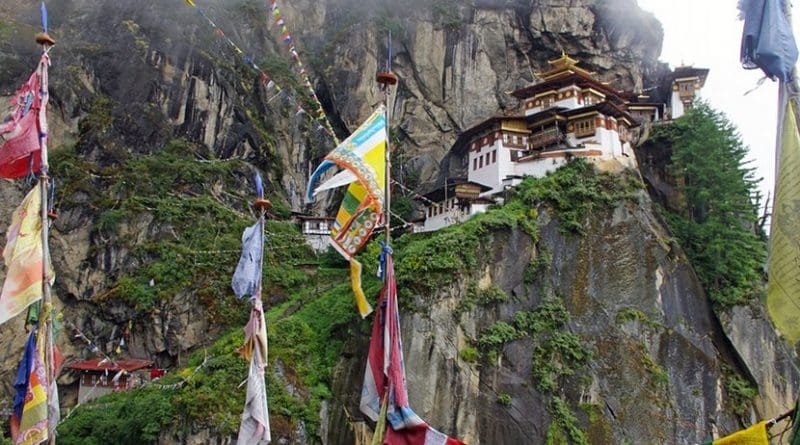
<point x="316" y="230"/>
<point x="568" y="114"/>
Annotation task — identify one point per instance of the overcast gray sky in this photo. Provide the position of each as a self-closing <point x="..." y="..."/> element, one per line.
<point x="707" y="34"/>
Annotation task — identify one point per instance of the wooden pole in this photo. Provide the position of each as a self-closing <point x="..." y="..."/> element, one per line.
<point x="386" y="79"/>
<point x="46" y="316"/>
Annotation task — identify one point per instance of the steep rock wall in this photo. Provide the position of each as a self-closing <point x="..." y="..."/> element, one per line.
<point x="661" y="361"/>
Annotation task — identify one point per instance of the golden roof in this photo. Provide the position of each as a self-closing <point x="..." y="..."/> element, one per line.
<point x="562" y="65"/>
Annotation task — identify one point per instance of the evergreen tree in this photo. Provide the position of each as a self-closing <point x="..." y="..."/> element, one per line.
<point x="717" y="228"/>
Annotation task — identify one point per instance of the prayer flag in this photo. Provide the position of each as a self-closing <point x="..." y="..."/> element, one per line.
<point x="362" y="154"/>
<point x="254" y="427"/>
<point x="755" y="435"/>
<point x="783" y="290"/>
<point x="29" y="419"/>
<point x="362" y="304"/>
<point x="190" y="3"/>
<point x="23" y="256"/>
<point x="247" y="277"/>
<point x="20" y="150"/>
<point x="767" y="39"/>
<point x="386" y="372"/>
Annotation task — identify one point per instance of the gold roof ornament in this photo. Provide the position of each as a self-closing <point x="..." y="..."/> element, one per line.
<point x="563" y="65"/>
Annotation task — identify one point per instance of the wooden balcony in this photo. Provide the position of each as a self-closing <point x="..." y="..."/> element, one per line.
<point x="545" y="138"/>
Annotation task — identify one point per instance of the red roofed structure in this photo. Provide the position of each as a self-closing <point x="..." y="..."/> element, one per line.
<point x="102" y="376"/>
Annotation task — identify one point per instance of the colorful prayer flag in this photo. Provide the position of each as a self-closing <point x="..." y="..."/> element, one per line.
<point x="23" y="256"/>
<point x="29" y="420"/>
<point x="20" y="150"/>
<point x="783" y="290"/>
<point x="755" y="435"/>
<point x="191" y="3"/>
<point x="386" y="372"/>
<point x="362" y="155"/>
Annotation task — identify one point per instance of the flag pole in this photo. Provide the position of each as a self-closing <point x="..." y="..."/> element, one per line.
<point x="386" y="79"/>
<point x="46" y="317"/>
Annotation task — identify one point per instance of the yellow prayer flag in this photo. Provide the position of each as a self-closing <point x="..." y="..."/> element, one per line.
<point x="783" y="292"/>
<point x="755" y="435"/>
<point x="23" y="256"/>
<point x="190" y="3"/>
<point x="364" y="308"/>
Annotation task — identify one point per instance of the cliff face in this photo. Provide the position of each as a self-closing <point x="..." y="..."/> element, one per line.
<point x="663" y="363"/>
<point x="130" y="78"/>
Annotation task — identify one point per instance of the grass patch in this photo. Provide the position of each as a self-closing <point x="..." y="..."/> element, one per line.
<point x="630" y="314"/>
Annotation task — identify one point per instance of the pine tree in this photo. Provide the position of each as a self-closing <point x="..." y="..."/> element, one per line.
<point x="718" y="226"/>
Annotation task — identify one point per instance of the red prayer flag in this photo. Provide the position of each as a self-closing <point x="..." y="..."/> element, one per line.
<point x="20" y="149"/>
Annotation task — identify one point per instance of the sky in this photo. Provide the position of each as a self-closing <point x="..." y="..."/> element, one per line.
<point x="709" y="37"/>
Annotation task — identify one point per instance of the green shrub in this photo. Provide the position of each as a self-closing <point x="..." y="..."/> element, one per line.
<point x="504" y="399"/>
<point x="563" y="425"/>
<point x="125" y="418"/>
<point x="469" y="354"/>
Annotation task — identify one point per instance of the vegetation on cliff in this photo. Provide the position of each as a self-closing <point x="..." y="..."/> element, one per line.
<point x="717" y="226"/>
<point x="308" y="327"/>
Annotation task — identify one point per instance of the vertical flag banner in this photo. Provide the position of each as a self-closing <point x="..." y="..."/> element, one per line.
<point x="767" y="39"/>
<point x="254" y="427"/>
<point x="362" y="158"/>
<point x="23" y="256"/>
<point x="20" y="152"/>
<point x="755" y="435"/>
<point x="783" y="290"/>
<point x="384" y="393"/>
<point x="29" y="418"/>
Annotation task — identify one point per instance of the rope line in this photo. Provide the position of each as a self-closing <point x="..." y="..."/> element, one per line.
<point x="266" y="79"/>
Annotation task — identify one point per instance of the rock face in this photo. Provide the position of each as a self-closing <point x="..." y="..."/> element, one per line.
<point x="128" y="77"/>
<point x="658" y="350"/>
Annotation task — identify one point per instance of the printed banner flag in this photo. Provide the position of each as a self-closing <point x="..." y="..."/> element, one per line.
<point x="783" y="290"/>
<point x="363" y="155"/>
<point x="20" y="151"/>
<point x="29" y="419"/>
<point x="23" y="256"/>
<point x="385" y="376"/>
<point x="755" y="435"/>
<point x="246" y="280"/>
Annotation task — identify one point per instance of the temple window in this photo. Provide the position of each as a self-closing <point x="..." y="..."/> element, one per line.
<point x="584" y="127"/>
<point x="475" y="164"/>
<point x="480" y="162"/>
<point x="494" y="156"/>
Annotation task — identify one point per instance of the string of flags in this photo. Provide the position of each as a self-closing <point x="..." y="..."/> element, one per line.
<point x="320" y="119"/>
<point x="414" y="194"/>
<point x="254" y="428"/>
<point x="320" y="116"/>
<point x="92" y="346"/>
